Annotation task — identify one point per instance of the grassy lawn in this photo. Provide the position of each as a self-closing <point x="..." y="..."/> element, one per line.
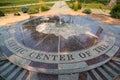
<point x="95" y="1"/>
<point x="105" y="2"/>
<point x="18" y="9"/>
<point x="93" y="4"/>
<point x="16" y="2"/>
<point x="19" y="2"/>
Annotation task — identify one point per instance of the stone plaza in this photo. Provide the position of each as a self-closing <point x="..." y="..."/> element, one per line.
<point x="60" y="47"/>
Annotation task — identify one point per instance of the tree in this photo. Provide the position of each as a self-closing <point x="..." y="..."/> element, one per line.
<point x="112" y="3"/>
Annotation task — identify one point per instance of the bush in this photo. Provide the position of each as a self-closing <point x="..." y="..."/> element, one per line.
<point x="24" y="9"/>
<point x="79" y="5"/>
<point x="87" y="11"/>
<point x="115" y="12"/>
<point x="16" y="14"/>
<point x="71" y="6"/>
<point x="32" y="11"/>
<point x="45" y="8"/>
<point x="2" y="13"/>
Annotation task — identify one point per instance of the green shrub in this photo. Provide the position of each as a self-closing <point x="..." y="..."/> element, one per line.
<point x="16" y="14"/>
<point x="45" y="8"/>
<point x="87" y="11"/>
<point x="32" y="11"/>
<point x="79" y="5"/>
<point x="115" y="12"/>
<point x="71" y="6"/>
<point x="24" y="9"/>
<point x="2" y="13"/>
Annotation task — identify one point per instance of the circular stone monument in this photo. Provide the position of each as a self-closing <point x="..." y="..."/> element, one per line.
<point x="61" y="47"/>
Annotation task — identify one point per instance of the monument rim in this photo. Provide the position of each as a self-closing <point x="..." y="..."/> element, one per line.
<point x="60" y="61"/>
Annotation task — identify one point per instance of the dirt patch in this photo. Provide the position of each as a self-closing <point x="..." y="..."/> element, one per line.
<point x="11" y="19"/>
<point x="106" y="19"/>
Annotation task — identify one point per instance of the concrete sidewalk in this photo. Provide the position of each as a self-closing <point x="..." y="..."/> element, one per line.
<point x="60" y="6"/>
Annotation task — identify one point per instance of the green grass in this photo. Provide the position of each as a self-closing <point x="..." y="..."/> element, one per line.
<point x="70" y="4"/>
<point x="91" y="5"/>
<point x="16" y="2"/>
<point x="19" y="2"/>
<point x="94" y="1"/>
<point x="18" y="9"/>
<point x="10" y="10"/>
<point x="50" y="0"/>
<point x="105" y="2"/>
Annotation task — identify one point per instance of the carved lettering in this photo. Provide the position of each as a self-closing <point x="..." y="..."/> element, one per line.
<point x="39" y="56"/>
<point x="19" y="49"/>
<point x="62" y="57"/>
<point x="101" y="48"/>
<point x="82" y="55"/>
<point x="70" y="57"/>
<point x="46" y="57"/>
<point x="11" y="43"/>
<point x="85" y="54"/>
<point x="97" y="50"/>
<point x="33" y="54"/>
<point x="54" y="57"/>
<point x="109" y="41"/>
<point x="88" y="53"/>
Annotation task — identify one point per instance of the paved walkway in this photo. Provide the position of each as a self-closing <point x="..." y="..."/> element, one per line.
<point x="60" y="6"/>
<point x="100" y="11"/>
